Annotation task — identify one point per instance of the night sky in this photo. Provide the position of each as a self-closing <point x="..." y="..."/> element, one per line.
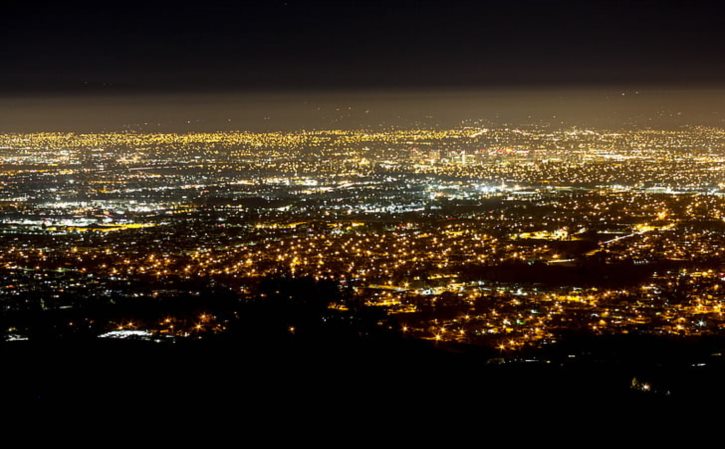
<point x="122" y="46"/>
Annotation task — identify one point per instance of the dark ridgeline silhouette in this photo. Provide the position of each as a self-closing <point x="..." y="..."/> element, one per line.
<point x="290" y="371"/>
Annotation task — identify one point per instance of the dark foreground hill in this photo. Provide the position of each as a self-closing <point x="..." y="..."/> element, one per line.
<point x="352" y="392"/>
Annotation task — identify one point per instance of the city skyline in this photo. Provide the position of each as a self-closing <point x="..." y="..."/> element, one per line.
<point x="362" y="224"/>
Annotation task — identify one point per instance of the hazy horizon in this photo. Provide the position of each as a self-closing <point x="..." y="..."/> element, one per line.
<point x="350" y="109"/>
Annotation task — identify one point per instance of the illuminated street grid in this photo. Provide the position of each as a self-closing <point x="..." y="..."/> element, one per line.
<point x="499" y="237"/>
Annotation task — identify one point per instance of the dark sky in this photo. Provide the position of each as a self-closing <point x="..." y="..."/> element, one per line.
<point x="121" y="46"/>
